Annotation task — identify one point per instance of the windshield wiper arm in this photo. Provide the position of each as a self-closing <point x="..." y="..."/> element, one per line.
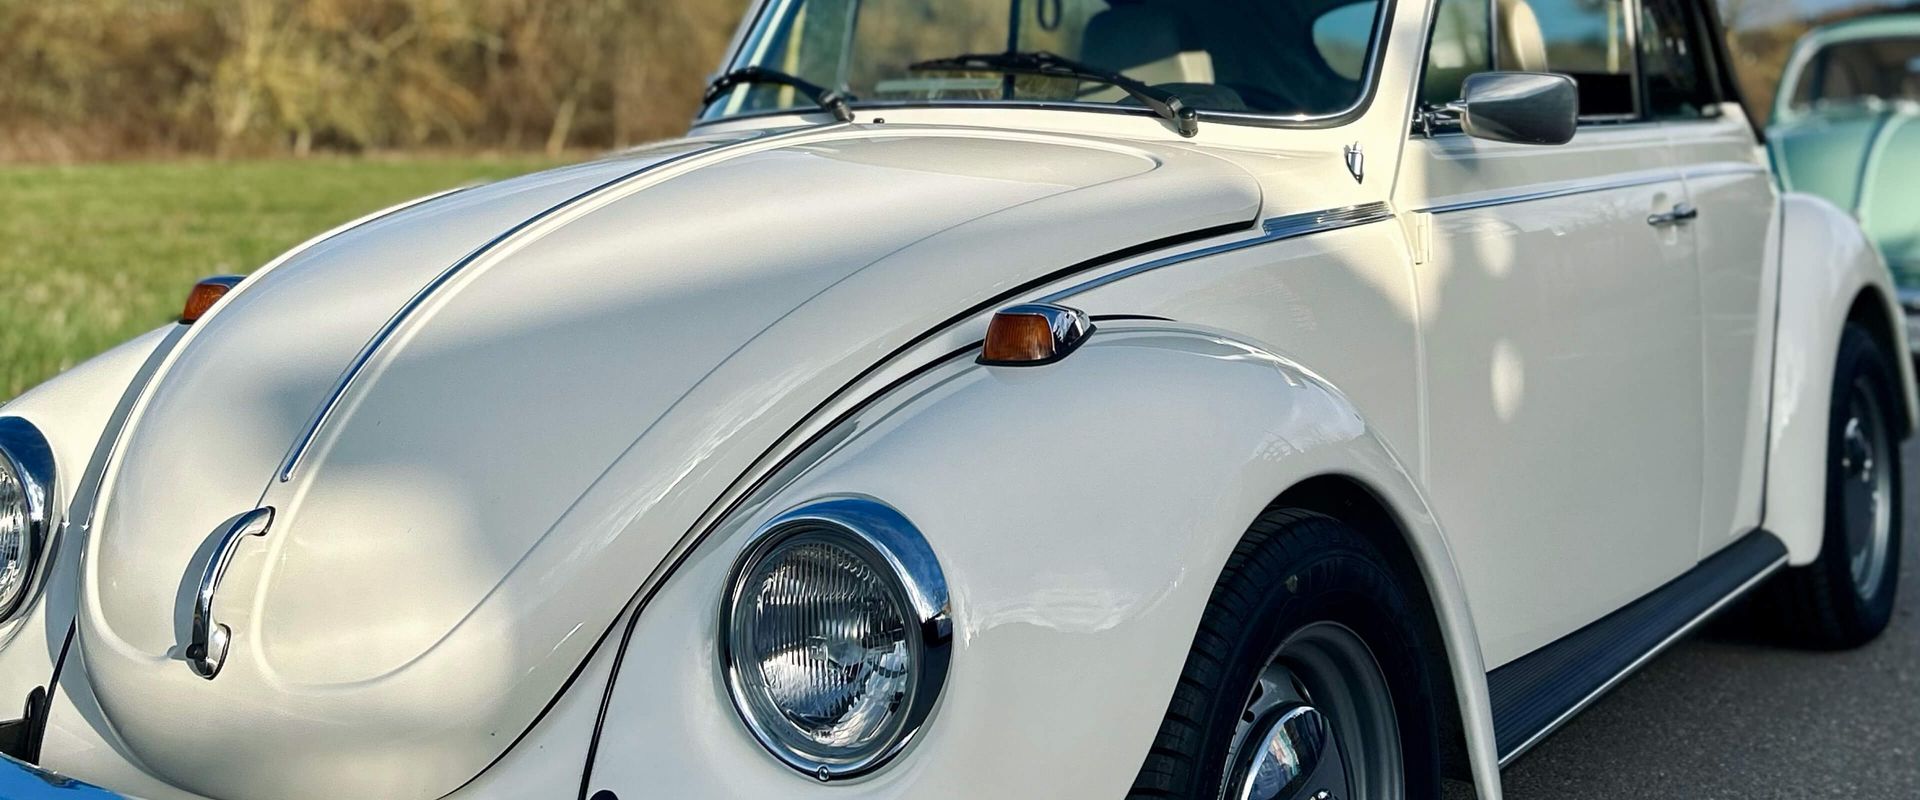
<point x="833" y="101"/>
<point x="1168" y="105"/>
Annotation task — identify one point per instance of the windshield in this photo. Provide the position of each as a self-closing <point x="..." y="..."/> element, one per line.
<point x="1287" y="58"/>
<point x="1867" y="72"/>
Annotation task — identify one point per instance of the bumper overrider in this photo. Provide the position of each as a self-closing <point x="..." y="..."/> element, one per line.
<point x="21" y="781"/>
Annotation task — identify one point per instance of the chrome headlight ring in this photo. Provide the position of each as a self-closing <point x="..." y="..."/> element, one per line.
<point x="26" y="508"/>
<point x="836" y="635"/>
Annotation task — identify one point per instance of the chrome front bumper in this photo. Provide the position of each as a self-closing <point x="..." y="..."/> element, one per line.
<point x="22" y="781"/>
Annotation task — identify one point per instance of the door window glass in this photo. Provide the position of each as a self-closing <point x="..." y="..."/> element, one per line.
<point x="1863" y="72"/>
<point x="1341" y="37"/>
<point x="1585" y="39"/>
<point x="1458" y="49"/>
<point x="1674" y="60"/>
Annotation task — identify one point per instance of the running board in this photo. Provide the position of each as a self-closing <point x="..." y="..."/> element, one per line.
<point x="1541" y="690"/>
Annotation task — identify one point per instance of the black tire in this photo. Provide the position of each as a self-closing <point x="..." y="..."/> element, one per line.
<point x="1820" y="605"/>
<point x="1294" y="569"/>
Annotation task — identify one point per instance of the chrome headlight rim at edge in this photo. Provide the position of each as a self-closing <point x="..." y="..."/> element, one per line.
<point x="29" y="457"/>
<point x="882" y="532"/>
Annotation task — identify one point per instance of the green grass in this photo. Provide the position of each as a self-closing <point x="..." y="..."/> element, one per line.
<point x="93" y="255"/>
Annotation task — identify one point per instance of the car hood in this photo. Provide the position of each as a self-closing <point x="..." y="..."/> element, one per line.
<point x="1861" y="159"/>
<point x="539" y="426"/>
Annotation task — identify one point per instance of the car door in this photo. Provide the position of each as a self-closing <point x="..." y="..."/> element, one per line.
<point x="1561" y="343"/>
<point x="1732" y="204"/>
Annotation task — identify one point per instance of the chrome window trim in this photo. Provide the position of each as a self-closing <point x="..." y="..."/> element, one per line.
<point x="30" y="457"/>
<point x="1271" y="230"/>
<point x="1583" y="187"/>
<point x="870" y="525"/>
<point x="1369" y="88"/>
<point x="304" y="442"/>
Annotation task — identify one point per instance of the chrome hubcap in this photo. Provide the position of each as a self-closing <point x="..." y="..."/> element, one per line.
<point x="1866" y="489"/>
<point x="1319" y="725"/>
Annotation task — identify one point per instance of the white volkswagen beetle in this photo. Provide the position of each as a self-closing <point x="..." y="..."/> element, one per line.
<point x="998" y="398"/>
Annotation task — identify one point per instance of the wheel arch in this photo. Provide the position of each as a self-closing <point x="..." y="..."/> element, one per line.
<point x="1877" y="312"/>
<point x="1830" y="275"/>
<point x="1095" y="557"/>
<point x="1349" y="499"/>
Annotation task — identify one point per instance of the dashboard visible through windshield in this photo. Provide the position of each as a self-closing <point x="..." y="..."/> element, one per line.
<point x="1294" y="59"/>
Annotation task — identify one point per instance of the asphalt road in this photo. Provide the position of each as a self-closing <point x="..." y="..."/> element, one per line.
<point x="1725" y="716"/>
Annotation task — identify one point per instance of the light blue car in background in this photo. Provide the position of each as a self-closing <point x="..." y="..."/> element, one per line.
<point x="1846" y="127"/>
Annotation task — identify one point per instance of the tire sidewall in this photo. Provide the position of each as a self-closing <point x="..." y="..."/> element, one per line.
<point x="1339" y="580"/>
<point x="1860" y="357"/>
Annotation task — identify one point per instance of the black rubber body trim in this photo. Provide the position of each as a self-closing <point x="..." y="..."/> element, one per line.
<point x="1533" y="694"/>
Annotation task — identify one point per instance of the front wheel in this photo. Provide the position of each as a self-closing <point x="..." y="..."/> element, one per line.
<point x="1845" y="598"/>
<point x="1304" y="680"/>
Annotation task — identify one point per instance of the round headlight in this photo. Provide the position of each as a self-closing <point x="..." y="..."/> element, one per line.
<point x="836" y="635"/>
<point x="26" y="481"/>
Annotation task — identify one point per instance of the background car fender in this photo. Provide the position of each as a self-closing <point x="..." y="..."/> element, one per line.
<point x="1081" y="512"/>
<point x="1830" y="274"/>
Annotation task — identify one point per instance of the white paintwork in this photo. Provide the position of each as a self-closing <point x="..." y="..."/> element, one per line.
<point x="1827" y="261"/>
<point x="72" y="411"/>
<point x="1063" y="599"/>
<point x="1562" y="375"/>
<point x="1562" y="407"/>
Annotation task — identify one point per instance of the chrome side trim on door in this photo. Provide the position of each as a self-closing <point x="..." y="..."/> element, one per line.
<point x="1569" y="190"/>
<point x="446" y="276"/>
<point x="1272" y="230"/>
<point x="1715" y="170"/>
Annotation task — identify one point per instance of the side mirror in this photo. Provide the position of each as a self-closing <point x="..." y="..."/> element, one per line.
<point x="1519" y="107"/>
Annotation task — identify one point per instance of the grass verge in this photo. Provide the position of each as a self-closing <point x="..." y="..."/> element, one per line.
<point x="93" y="255"/>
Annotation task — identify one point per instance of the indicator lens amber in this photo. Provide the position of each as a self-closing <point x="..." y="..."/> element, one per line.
<point x="1018" y="339"/>
<point x="204" y="295"/>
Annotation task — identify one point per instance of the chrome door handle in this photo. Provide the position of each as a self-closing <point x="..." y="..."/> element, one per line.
<point x="207" y="650"/>
<point x="1682" y="212"/>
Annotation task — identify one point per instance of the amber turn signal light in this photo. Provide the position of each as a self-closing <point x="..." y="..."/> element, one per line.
<point x="204" y="294"/>
<point x="1034" y="334"/>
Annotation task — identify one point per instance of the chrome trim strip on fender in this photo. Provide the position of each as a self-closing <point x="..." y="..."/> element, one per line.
<point x="1584" y="187"/>
<point x="446" y="276"/>
<point x="1272" y="230"/>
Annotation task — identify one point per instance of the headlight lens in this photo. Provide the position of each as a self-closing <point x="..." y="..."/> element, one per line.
<point x="26" y="481"/>
<point x="15" y="531"/>
<point x="836" y="637"/>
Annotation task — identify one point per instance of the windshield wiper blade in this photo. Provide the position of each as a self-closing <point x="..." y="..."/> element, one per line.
<point x="834" y="102"/>
<point x="1168" y="105"/>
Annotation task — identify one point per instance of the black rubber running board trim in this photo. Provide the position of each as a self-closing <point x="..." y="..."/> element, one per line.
<point x="1535" y="693"/>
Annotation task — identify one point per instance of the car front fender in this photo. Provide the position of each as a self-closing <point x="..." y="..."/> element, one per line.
<point x="80" y="413"/>
<point x="1827" y="264"/>
<point x="1081" y="513"/>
